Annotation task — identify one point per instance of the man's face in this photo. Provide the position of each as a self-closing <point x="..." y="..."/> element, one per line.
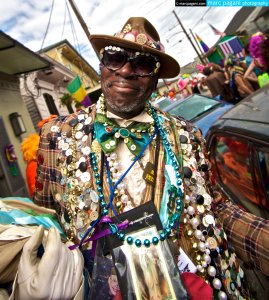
<point x="125" y="92"/>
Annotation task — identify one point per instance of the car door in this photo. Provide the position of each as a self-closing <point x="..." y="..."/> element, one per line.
<point x="241" y="166"/>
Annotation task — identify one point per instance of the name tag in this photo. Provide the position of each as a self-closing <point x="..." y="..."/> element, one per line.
<point x="148" y="174"/>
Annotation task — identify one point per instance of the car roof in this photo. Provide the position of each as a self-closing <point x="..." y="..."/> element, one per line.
<point x="250" y="117"/>
<point x="254" y="108"/>
<point x="206" y="118"/>
<point x="175" y="103"/>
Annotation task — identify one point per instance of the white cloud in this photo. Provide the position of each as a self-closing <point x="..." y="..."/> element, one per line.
<point x="27" y="21"/>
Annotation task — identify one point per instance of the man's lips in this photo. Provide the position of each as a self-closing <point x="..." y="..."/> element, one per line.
<point x="123" y="85"/>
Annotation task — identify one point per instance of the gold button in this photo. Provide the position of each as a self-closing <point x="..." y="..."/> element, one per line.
<point x="190" y="233"/>
<point x="212" y="243"/>
<point x="93" y="215"/>
<point x="198" y="257"/>
<point x="195" y="247"/>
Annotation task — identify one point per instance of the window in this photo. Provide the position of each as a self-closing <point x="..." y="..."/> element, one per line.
<point x="263" y="166"/>
<point x="194" y="106"/>
<point x="50" y="104"/>
<point x="238" y="175"/>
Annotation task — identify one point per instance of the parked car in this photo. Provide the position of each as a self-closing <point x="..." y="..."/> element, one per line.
<point x="162" y="102"/>
<point x="200" y="110"/>
<point x="238" y="147"/>
<point x="238" y="143"/>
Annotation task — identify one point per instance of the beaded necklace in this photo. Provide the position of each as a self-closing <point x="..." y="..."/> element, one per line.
<point x="176" y="195"/>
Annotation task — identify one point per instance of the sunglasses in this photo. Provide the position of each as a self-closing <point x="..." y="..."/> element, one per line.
<point x="143" y="64"/>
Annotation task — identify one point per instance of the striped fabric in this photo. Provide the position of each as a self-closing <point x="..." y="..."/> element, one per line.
<point x="231" y="46"/>
<point x="76" y="89"/>
<point x="249" y="235"/>
<point x="203" y="45"/>
<point x="215" y="30"/>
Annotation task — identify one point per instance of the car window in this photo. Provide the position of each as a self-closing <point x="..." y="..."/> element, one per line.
<point x="164" y="103"/>
<point x="263" y="161"/>
<point x="192" y="107"/>
<point x="233" y="161"/>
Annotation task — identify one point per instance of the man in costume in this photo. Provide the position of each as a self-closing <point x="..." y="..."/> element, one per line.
<point x="119" y="155"/>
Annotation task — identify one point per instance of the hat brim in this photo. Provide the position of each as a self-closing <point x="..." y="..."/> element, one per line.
<point x="169" y="66"/>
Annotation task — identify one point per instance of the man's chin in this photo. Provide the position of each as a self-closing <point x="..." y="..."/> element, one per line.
<point x="122" y="107"/>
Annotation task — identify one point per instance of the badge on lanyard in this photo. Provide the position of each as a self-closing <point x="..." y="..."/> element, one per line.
<point x="148" y="174"/>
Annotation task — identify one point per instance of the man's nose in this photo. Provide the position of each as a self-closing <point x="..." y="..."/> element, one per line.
<point x="126" y="70"/>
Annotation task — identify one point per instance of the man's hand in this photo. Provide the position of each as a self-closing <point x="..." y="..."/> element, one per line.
<point x="58" y="274"/>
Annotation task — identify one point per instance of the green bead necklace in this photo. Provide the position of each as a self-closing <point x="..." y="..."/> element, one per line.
<point x="175" y="195"/>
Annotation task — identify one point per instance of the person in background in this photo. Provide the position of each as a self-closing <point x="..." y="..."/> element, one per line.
<point x="253" y="76"/>
<point x="265" y="53"/>
<point x="248" y="60"/>
<point x="184" y="87"/>
<point x="29" y="148"/>
<point x="194" y="83"/>
<point x="217" y="83"/>
<point x="257" y="58"/>
<point x="202" y="86"/>
<point x="240" y="85"/>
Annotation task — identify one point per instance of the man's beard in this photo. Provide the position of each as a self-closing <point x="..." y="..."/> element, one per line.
<point x="126" y="108"/>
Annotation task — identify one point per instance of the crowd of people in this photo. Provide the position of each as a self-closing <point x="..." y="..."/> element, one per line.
<point x="234" y="78"/>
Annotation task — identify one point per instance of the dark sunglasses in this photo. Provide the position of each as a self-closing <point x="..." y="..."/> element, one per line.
<point x="143" y="64"/>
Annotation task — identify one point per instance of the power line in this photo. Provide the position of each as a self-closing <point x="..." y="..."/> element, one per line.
<point x="65" y="8"/>
<point x="176" y="44"/>
<point x="175" y="33"/>
<point x="157" y="6"/>
<point x="46" y="32"/>
<point x="201" y="19"/>
<point x="143" y="4"/>
<point x="197" y="52"/>
<point x="76" y="43"/>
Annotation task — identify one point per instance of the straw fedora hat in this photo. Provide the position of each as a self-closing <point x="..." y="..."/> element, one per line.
<point x="139" y="34"/>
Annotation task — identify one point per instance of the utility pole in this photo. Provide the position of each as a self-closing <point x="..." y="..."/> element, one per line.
<point x="165" y="83"/>
<point x="80" y="19"/>
<point x="183" y="28"/>
<point x="199" y="46"/>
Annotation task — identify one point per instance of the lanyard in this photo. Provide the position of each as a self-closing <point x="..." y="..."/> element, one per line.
<point x="113" y="188"/>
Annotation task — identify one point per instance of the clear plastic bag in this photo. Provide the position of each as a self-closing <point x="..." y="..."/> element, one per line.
<point x="142" y="272"/>
<point x="148" y="272"/>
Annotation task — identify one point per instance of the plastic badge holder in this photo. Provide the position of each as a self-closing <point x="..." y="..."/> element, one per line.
<point x="142" y="272"/>
<point x="148" y="272"/>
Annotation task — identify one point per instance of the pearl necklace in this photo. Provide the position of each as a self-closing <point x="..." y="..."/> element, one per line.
<point x="122" y="202"/>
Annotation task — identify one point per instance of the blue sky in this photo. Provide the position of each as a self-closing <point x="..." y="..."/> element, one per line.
<point x="28" y="22"/>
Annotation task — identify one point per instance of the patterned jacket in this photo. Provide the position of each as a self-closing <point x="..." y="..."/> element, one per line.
<point x="61" y="184"/>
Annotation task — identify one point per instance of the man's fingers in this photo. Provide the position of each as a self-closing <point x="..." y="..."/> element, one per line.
<point x="52" y="252"/>
<point x="29" y="260"/>
<point x="29" y="254"/>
